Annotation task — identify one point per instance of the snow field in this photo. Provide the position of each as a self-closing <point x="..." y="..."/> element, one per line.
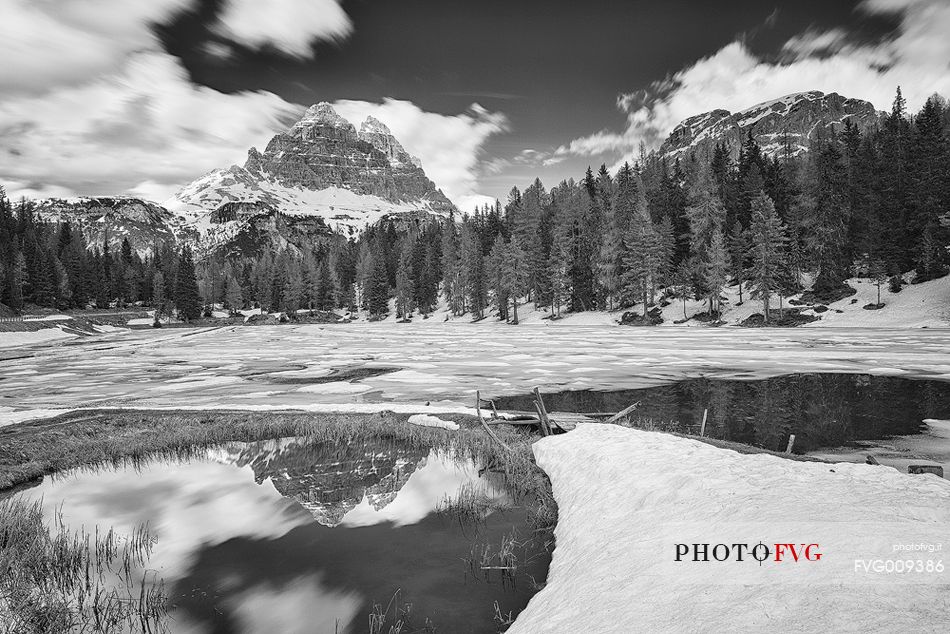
<point x="626" y="498"/>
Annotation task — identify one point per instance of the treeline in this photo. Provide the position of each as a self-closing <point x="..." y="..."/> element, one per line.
<point x="50" y="265"/>
<point x="868" y="203"/>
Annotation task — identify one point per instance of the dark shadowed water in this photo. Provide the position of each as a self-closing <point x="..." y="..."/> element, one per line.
<point x="822" y="410"/>
<point x="291" y="536"/>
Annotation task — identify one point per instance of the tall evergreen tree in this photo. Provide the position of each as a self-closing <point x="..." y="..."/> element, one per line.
<point x="768" y="241"/>
<point x="187" y="297"/>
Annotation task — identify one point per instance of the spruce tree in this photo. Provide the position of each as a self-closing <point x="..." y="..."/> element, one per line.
<point x="158" y="295"/>
<point x="233" y="294"/>
<point x="404" y="283"/>
<point x="767" y="236"/>
<point x="187" y="297"/>
<point x="738" y="245"/>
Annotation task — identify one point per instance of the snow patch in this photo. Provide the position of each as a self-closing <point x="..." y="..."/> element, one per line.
<point x="425" y="420"/>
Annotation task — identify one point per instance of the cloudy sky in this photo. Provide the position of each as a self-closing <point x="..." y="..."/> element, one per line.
<point x="142" y="96"/>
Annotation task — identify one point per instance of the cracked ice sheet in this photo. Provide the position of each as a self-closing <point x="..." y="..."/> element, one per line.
<point x="243" y="367"/>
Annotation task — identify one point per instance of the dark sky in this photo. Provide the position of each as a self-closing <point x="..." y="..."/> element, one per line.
<point x="554" y="67"/>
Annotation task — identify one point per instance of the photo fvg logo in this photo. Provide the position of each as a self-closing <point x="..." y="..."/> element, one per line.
<point x="760" y="552"/>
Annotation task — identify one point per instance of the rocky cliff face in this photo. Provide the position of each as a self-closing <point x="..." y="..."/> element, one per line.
<point x="784" y="126"/>
<point x="324" y="150"/>
<point x="320" y="167"/>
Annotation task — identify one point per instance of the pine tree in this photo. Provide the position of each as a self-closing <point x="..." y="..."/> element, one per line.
<point x="404" y="284"/>
<point x="473" y="280"/>
<point x="516" y="275"/>
<point x="325" y="288"/>
<point x="738" y="245"/>
<point x="878" y="274"/>
<point x="233" y="295"/>
<point x="768" y="240"/>
<point x="716" y="267"/>
<point x="683" y="281"/>
<point x="158" y="295"/>
<point x="292" y="288"/>
<point x="495" y="266"/>
<point x="377" y="289"/>
<point x="187" y="297"/>
<point x="706" y="217"/>
<point x="450" y="265"/>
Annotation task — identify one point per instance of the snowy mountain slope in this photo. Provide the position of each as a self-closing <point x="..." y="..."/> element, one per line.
<point x="786" y="125"/>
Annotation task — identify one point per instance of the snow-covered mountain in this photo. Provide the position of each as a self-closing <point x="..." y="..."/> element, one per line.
<point x="320" y="168"/>
<point x="781" y="126"/>
<point x="319" y="178"/>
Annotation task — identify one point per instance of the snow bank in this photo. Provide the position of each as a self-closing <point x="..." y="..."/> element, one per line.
<point x="425" y="420"/>
<point x="48" y="318"/>
<point x="10" y="416"/>
<point x="16" y="339"/>
<point x="626" y="498"/>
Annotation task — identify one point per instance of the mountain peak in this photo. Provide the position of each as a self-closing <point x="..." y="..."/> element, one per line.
<point x="321" y="114"/>
<point x="372" y="125"/>
<point x="377" y="134"/>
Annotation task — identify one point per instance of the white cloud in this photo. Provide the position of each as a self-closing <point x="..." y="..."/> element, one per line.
<point x="734" y="78"/>
<point x="290" y="26"/>
<point x="448" y="145"/>
<point x="49" y="42"/>
<point x="140" y="130"/>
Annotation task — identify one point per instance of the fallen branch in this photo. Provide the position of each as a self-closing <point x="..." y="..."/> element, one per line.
<point x="478" y="410"/>
<point x="623" y="413"/>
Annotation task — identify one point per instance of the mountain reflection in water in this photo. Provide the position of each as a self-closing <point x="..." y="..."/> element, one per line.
<point x="291" y="535"/>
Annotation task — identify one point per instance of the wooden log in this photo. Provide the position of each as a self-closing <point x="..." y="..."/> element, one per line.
<point x="702" y="430"/>
<point x="791" y="443"/>
<point x="937" y="470"/>
<point x="545" y="430"/>
<point x="520" y="421"/>
<point x="542" y="411"/>
<point x="478" y="410"/>
<point x="623" y="413"/>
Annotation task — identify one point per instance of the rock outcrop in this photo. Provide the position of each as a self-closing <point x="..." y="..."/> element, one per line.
<point x="782" y="127"/>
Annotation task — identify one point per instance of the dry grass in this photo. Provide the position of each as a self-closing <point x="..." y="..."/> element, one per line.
<point x="55" y="580"/>
<point x="108" y="437"/>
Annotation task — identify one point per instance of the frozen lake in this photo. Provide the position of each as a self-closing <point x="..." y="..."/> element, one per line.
<point x="402" y="367"/>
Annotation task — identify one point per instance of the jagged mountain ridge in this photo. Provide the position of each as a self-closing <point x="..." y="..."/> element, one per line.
<point x="782" y="127"/>
<point x="317" y="180"/>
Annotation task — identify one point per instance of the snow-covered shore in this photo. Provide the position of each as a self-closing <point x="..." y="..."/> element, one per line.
<point x="626" y="498"/>
<point x="925" y="305"/>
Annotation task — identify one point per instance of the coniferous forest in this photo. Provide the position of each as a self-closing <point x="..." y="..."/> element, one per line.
<point x="870" y="204"/>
